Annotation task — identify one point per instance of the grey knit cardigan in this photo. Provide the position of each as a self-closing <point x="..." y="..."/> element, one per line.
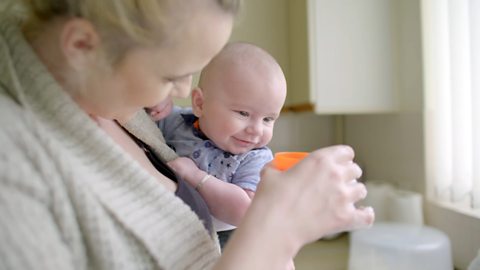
<point x="70" y="198"/>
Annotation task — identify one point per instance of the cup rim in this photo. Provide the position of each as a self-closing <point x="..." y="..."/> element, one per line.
<point x="284" y="160"/>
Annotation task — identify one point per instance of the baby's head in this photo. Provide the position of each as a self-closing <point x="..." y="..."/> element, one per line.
<point x="240" y="95"/>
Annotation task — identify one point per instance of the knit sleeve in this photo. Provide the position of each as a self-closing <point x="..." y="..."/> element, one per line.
<point x="29" y="234"/>
<point x="29" y="237"/>
<point x="146" y="130"/>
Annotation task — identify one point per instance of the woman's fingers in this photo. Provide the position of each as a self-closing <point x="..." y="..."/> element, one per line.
<point x="339" y="153"/>
<point x="345" y="172"/>
<point x="323" y="185"/>
<point x="359" y="191"/>
<point x="363" y="218"/>
<point x="352" y="171"/>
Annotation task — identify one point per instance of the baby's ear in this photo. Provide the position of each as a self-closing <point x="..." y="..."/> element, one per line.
<point x="197" y="101"/>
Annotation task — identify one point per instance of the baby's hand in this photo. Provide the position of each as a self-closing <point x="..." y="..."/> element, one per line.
<point x="186" y="169"/>
<point x="161" y="110"/>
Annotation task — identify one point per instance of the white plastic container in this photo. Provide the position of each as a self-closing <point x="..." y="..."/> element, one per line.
<point x="395" y="246"/>
<point x="475" y="264"/>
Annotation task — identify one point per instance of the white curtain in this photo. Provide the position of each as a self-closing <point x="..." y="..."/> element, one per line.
<point x="451" y="51"/>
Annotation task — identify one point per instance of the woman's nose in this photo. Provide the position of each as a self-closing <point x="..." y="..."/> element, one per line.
<point x="182" y="87"/>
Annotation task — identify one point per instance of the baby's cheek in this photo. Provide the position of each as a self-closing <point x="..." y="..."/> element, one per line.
<point x="266" y="138"/>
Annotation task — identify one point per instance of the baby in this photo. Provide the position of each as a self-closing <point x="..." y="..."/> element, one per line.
<point x="240" y="95"/>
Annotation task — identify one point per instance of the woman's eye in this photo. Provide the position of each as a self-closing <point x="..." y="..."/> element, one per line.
<point x="177" y="79"/>
<point x="169" y="80"/>
<point x="242" y="113"/>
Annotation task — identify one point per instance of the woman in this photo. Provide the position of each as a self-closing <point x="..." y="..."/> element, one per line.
<point x="79" y="192"/>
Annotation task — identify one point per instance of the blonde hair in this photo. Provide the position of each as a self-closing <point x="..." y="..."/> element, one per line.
<point x="122" y="24"/>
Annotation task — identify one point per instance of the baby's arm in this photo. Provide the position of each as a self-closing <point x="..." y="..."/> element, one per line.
<point x="227" y="202"/>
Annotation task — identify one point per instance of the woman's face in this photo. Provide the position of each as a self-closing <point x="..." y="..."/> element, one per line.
<point x="148" y="76"/>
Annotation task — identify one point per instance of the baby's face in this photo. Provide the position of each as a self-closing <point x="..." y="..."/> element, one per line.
<point x="239" y="113"/>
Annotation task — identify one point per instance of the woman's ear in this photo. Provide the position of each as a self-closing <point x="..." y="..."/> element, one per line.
<point x="197" y="101"/>
<point x="79" y="42"/>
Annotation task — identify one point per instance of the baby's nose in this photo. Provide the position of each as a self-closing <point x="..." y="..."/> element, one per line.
<point x="254" y="128"/>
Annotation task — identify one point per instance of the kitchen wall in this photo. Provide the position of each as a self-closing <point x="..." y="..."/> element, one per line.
<point x="391" y="146"/>
<point x="267" y="31"/>
<point x="303" y="131"/>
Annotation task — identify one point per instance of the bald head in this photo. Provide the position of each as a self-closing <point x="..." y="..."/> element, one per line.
<point x="240" y="95"/>
<point x="238" y="60"/>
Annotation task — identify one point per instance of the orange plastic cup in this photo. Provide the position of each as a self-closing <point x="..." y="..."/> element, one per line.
<point x="284" y="160"/>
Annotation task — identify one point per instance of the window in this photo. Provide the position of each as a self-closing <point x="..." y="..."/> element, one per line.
<point x="451" y="51"/>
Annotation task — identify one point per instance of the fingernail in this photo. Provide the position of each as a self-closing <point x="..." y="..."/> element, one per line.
<point x="372" y="213"/>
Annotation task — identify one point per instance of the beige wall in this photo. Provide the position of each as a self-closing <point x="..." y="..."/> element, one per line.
<point x="283" y="34"/>
<point x="298" y="83"/>
<point x="267" y="31"/>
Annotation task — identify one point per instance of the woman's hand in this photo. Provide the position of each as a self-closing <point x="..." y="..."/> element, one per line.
<point x="318" y="194"/>
<point x="292" y="208"/>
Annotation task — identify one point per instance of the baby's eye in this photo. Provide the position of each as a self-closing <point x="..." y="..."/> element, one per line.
<point x="268" y="119"/>
<point x="243" y="113"/>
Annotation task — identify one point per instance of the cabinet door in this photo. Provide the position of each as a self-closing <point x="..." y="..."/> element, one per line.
<point x="353" y="56"/>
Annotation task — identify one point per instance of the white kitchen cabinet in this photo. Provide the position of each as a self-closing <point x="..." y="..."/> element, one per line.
<point x="352" y="56"/>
